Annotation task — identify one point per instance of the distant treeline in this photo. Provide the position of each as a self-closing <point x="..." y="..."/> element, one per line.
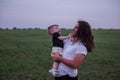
<point x="15" y="28"/>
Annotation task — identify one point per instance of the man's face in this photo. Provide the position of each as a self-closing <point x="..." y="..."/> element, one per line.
<point x="75" y="29"/>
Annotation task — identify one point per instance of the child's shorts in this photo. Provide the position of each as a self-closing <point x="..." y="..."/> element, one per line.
<point x="57" y="50"/>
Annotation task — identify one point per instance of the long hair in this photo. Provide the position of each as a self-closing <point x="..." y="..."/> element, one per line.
<point x="84" y="34"/>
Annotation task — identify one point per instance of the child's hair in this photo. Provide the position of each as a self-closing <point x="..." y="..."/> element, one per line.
<point x="51" y="27"/>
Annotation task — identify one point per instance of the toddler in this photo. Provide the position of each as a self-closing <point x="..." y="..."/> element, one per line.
<point x="57" y="41"/>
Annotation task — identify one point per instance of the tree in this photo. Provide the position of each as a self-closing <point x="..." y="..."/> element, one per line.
<point x="14" y="28"/>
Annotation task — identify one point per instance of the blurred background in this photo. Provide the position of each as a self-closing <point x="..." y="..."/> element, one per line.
<point x="103" y="14"/>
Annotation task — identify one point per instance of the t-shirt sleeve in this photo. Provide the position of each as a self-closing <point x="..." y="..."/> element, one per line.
<point x="56" y="35"/>
<point x="81" y="50"/>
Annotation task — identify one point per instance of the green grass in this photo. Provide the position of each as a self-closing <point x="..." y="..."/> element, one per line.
<point x="25" y="55"/>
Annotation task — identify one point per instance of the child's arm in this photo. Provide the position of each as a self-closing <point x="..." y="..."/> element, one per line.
<point x="64" y="37"/>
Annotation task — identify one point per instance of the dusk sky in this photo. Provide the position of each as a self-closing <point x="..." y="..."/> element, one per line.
<point x="42" y="13"/>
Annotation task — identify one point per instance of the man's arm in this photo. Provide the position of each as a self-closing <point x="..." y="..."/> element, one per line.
<point x="75" y="63"/>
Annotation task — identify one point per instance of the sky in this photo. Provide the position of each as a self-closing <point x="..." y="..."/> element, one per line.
<point x="43" y="13"/>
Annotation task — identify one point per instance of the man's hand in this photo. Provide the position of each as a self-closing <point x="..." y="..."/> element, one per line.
<point x="56" y="57"/>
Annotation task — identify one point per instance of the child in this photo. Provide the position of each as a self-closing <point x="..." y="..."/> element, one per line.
<point x="57" y="40"/>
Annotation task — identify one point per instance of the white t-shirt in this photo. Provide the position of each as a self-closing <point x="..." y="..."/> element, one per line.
<point x="69" y="51"/>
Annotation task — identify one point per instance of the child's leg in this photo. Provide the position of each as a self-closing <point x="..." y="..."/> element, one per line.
<point x="54" y="70"/>
<point x="55" y="65"/>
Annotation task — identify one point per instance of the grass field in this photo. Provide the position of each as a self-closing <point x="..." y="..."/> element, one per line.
<point x="25" y="55"/>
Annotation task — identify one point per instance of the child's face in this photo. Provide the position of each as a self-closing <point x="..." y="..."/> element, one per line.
<point x="53" y="30"/>
<point x="56" y="29"/>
